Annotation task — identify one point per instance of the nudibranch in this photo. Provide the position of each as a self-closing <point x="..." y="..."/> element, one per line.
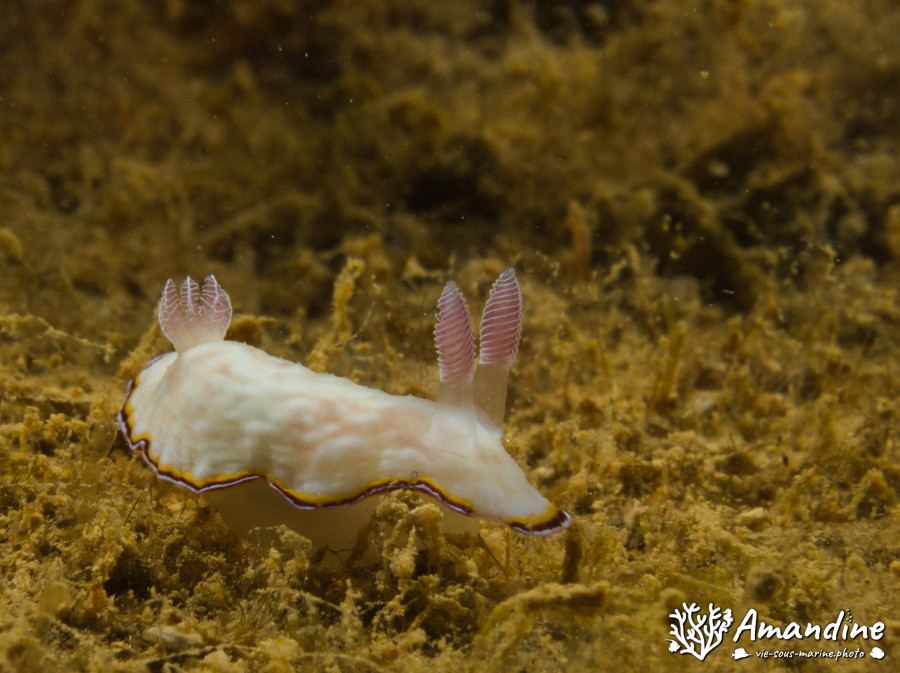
<point x="216" y="413"/>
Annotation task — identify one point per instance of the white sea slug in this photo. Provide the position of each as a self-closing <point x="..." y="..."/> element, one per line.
<point x="218" y="413"/>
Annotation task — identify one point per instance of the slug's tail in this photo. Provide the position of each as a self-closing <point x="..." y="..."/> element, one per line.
<point x="194" y="315"/>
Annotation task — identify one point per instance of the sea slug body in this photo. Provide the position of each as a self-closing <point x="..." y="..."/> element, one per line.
<point x="217" y="413"/>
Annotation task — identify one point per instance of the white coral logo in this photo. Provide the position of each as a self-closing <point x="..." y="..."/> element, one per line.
<point x="698" y="634"/>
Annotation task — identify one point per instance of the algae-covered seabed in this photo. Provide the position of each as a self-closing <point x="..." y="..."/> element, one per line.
<point x="702" y="200"/>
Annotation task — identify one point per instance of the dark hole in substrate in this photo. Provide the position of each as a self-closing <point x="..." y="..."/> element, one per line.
<point x="563" y="21"/>
<point x="129" y="574"/>
<point x="635" y="540"/>
<point x="739" y="463"/>
<point x="639" y="479"/>
<point x="763" y="585"/>
<point x="10" y="498"/>
<point x="448" y="189"/>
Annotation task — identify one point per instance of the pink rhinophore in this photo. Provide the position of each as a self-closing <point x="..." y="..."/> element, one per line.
<point x="455" y="344"/>
<point x="501" y="330"/>
<point x="501" y="322"/>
